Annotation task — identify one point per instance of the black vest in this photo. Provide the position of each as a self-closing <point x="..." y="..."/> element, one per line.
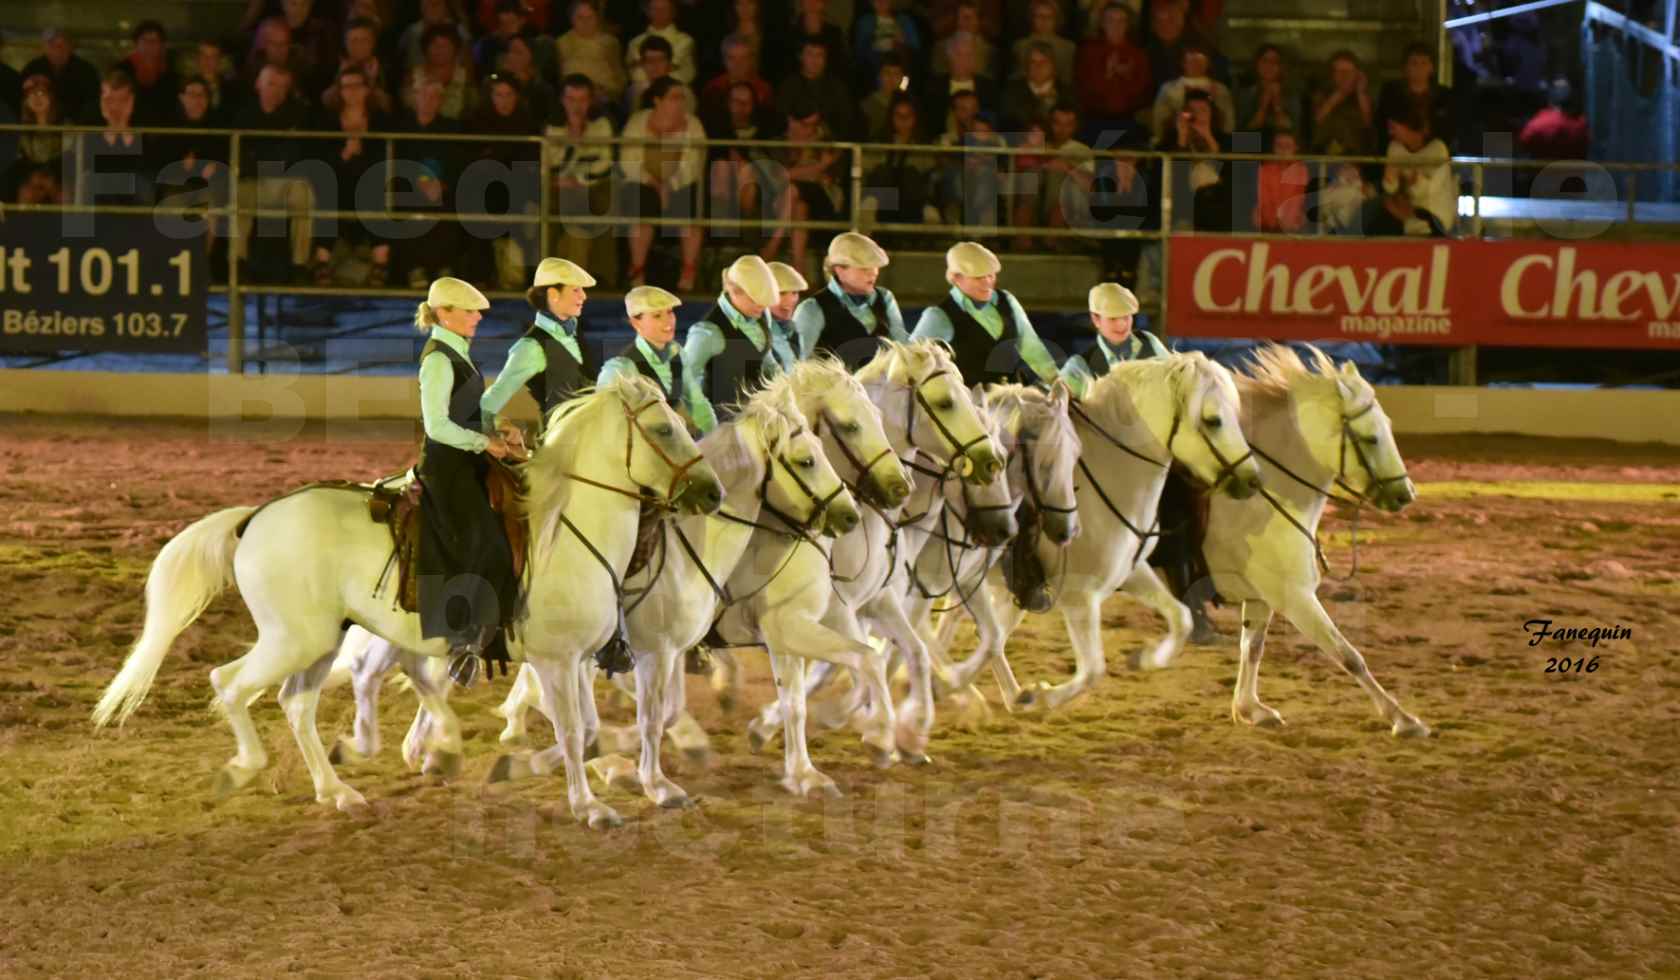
<point x="464" y="410"/>
<point x="842" y="334"/>
<point x="738" y="365"/>
<point x="564" y="375"/>
<point x="1097" y="361"/>
<point x="674" y="395"/>
<point x="981" y="359"/>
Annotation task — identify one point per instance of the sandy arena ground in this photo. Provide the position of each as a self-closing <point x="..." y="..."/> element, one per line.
<point x="1139" y="833"/>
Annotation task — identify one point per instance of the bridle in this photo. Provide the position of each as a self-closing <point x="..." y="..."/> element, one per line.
<point x="1374" y="484"/>
<point x="959" y="448"/>
<point x="678" y="470"/>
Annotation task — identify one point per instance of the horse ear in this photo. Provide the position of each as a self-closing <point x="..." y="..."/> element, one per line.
<point x="1349" y="370"/>
<point x="1060" y="393"/>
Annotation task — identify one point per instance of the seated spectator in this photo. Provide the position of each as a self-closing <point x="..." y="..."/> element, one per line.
<point x="272" y="45"/>
<point x="75" y="81"/>
<point x="412" y="44"/>
<point x="1392" y="214"/>
<point x="738" y="172"/>
<point x="538" y="15"/>
<point x="37" y="151"/>
<point x="352" y="160"/>
<point x="740" y="67"/>
<point x="518" y="61"/>
<point x="1059" y="196"/>
<point x="878" y="33"/>
<point x="1417" y="87"/>
<point x="442" y="64"/>
<point x="580" y="158"/>
<point x="1341" y="202"/>
<point x="966" y="22"/>
<point x="1033" y="96"/>
<point x="810" y="188"/>
<point x="155" y="84"/>
<point x="265" y="177"/>
<point x="1126" y="197"/>
<point x="211" y="66"/>
<point x="361" y="37"/>
<point x="1557" y="132"/>
<point x="1342" y="111"/>
<point x="656" y="64"/>
<point x="1194" y="130"/>
<point x="316" y="39"/>
<point x="815" y="85"/>
<point x="876" y="109"/>
<point x="744" y="20"/>
<point x="1281" y="188"/>
<point x="1193" y="76"/>
<point x="589" y="50"/>
<point x="812" y="24"/>
<point x="1169" y="33"/>
<point x="114" y="166"/>
<point x="427" y="249"/>
<point x="515" y="187"/>
<point x="662" y="23"/>
<point x="963" y="54"/>
<point x="194" y="167"/>
<point x="969" y="183"/>
<point x="900" y="185"/>
<point x="1271" y="104"/>
<point x="1113" y="76"/>
<point x="1046" y="29"/>
<point x="661" y="178"/>
<point x="1419" y="164"/>
<point x="513" y="20"/>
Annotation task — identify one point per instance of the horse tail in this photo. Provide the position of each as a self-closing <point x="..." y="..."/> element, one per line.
<point x="193" y="569"/>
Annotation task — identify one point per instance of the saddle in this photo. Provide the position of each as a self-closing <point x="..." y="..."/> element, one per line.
<point x="395" y="503"/>
<point x="1183" y="519"/>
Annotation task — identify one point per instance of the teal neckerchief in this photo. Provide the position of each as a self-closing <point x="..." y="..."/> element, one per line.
<point x="754" y="328"/>
<point x="564" y="331"/>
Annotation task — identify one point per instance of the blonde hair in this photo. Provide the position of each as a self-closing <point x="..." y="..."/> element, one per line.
<point x="425" y="318"/>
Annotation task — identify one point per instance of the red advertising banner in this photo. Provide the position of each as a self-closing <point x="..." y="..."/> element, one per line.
<point x="1430" y="291"/>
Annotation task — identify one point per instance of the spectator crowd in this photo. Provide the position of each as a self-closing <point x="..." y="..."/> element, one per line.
<point x="1078" y="89"/>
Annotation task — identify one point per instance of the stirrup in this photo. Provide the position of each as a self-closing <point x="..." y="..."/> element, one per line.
<point x="614" y="658"/>
<point x="698" y="660"/>
<point x="463" y="666"/>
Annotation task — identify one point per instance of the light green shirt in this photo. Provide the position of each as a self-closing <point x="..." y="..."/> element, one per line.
<point x="1077" y="373"/>
<point x="659" y="360"/>
<point x="783" y="346"/>
<point x="935" y="325"/>
<point x="705" y="342"/>
<point x="525" y="361"/>
<point x="437" y="383"/>
<point x="808" y="319"/>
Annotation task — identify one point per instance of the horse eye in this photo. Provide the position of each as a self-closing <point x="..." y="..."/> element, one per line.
<point x="1214" y="422"/>
<point x="806" y="462"/>
<point x="664" y="429"/>
<point x="852" y="428"/>
<point x="945" y="404"/>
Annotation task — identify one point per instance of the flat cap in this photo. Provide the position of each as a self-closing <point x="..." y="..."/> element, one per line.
<point x="788" y="279"/>
<point x="855" y="249"/>
<point x="455" y="294"/>
<point x="752" y="275"/>
<point x="971" y="259"/>
<point x="561" y="272"/>
<point x="1112" y="299"/>
<point x="649" y="299"/>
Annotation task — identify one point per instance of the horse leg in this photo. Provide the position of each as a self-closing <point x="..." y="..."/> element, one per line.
<point x="589" y="719"/>
<point x="915" y="712"/>
<point x="681" y="727"/>
<point x="237" y="683"/>
<point x="725" y="678"/>
<point x="1083" y="616"/>
<point x="799" y="776"/>
<point x="299" y="696"/>
<point x="1304" y="610"/>
<point x="557" y="680"/>
<point x="650" y="720"/>
<point x="1145" y="585"/>
<point x="1251" y="645"/>
<point x="521" y="698"/>
<point x="436" y="731"/>
<point x="368" y="657"/>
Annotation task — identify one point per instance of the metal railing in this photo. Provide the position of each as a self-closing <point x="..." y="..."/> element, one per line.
<point x="997" y="191"/>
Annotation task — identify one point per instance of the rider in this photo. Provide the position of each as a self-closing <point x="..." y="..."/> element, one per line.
<point x="989" y="333"/>
<point x="551" y="360"/>
<point x="1112" y="308"/>
<point x="783" y="340"/>
<point x="1182" y="513"/>
<point x="852" y="316"/>
<point x="654" y="353"/>
<point x="730" y="346"/>
<point x="992" y="341"/>
<point x="468" y="592"/>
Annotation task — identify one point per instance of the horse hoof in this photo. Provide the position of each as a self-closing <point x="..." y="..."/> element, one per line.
<point x="915" y="758"/>
<point x="680" y="801"/>
<point x="444" y="764"/>
<point x="604" y="818"/>
<point x="344" y="751"/>
<point x="230" y="779"/>
<point x="882" y="758"/>
<point x="345" y="799"/>
<point x="1409" y="727"/>
<point x="503" y="769"/>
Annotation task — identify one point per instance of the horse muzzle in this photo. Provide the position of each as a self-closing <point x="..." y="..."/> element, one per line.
<point x="888" y="491"/>
<point x="1243" y="482"/>
<point x="840" y="517"/>
<point x="1395" y="496"/>
<point x="700" y="493"/>
<point x="984" y="466"/>
<point x="1060" y="528"/>
<point x="992" y="528"/>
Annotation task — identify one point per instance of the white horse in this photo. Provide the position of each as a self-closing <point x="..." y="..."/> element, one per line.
<point x="957" y="539"/>
<point x="1132" y="423"/>
<point x="308" y="563"/>
<point x="924" y="405"/>
<point x="1315" y="429"/>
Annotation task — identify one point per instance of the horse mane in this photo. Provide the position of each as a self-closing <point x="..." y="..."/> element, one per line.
<point x="903" y="361"/>
<point x="774" y="410"/>
<point x="1275" y="368"/>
